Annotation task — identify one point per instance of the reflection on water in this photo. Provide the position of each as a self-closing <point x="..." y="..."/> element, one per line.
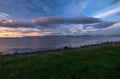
<point x="30" y="44"/>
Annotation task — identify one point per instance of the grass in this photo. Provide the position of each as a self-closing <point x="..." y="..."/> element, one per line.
<point x="89" y="63"/>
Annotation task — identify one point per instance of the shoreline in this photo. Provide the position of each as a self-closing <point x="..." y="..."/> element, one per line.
<point x="60" y="49"/>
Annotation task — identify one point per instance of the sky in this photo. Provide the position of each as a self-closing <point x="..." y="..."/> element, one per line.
<point x="22" y="18"/>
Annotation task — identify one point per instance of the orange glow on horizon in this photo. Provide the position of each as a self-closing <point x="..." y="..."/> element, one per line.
<point x="12" y="33"/>
<point x="18" y="35"/>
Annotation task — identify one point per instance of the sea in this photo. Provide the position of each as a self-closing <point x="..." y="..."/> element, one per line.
<point x="43" y="43"/>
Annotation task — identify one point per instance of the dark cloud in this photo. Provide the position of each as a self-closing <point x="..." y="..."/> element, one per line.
<point x="118" y="13"/>
<point x="100" y="25"/>
<point x="47" y="21"/>
<point x="114" y="2"/>
<point x="104" y="25"/>
<point x="13" y="24"/>
<point x="57" y="26"/>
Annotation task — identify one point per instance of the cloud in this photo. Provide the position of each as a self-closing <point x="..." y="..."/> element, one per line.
<point x="111" y="30"/>
<point x="13" y="24"/>
<point x="118" y="13"/>
<point x="18" y="24"/>
<point x="98" y="26"/>
<point x="103" y="25"/>
<point x="75" y="8"/>
<point x="82" y="29"/>
<point x="47" y="21"/>
<point x="108" y="13"/>
<point x="4" y="15"/>
<point x="56" y="26"/>
<point x="114" y="2"/>
<point x="3" y="21"/>
<point x="21" y="32"/>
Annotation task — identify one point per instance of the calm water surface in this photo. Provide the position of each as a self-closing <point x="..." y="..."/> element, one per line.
<point x="30" y="44"/>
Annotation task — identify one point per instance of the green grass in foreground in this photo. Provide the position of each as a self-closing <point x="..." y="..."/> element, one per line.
<point x="95" y="63"/>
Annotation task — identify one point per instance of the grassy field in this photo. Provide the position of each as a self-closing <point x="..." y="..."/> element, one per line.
<point x="88" y="63"/>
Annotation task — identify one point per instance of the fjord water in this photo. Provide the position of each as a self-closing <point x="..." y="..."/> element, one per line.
<point x="30" y="44"/>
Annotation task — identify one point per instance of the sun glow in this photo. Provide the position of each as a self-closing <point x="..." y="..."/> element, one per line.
<point x="9" y="35"/>
<point x="6" y="32"/>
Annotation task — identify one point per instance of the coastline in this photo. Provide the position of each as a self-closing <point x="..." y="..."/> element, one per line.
<point x="60" y="50"/>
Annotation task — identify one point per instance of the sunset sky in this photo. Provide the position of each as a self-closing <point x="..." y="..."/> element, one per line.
<point x="22" y="18"/>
